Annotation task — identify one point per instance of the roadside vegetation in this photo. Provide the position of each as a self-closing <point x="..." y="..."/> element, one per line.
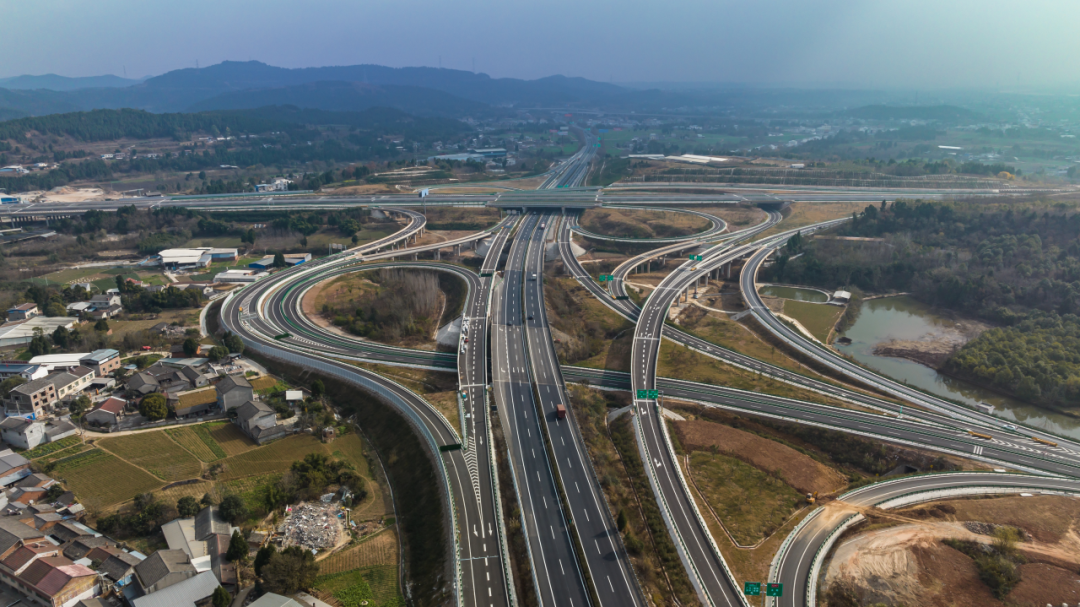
<point x="1014" y="265"/>
<point x="639" y="223"/>
<point x="589" y="334"/>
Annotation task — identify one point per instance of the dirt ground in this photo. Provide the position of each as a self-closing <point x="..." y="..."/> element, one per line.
<point x="66" y="194"/>
<point x="909" y="564"/>
<point x="803" y="473"/>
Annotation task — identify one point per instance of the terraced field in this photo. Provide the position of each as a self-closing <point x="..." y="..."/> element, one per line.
<point x="198" y="441"/>
<point x="231" y="440"/>
<point x="275" y="457"/>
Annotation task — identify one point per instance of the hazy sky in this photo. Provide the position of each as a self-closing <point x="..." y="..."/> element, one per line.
<point x="914" y="43"/>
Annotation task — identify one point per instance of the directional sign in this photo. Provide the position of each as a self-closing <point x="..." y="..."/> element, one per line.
<point x="605" y="277"/>
<point x="696" y="258"/>
<point x="642" y="393"/>
<point x="774" y="590"/>
<point x="485" y="274"/>
<point x="751" y="588"/>
<point x="654" y="394"/>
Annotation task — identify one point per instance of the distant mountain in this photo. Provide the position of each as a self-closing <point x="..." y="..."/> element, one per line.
<point x="232" y="84"/>
<point x="947" y="113"/>
<point x="346" y="97"/>
<point x="240" y="75"/>
<point x="54" y="82"/>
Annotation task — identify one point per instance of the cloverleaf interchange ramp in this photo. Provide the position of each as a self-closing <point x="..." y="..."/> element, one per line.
<point x="552" y="465"/>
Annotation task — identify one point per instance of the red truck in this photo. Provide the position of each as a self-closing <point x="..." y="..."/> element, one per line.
<point x="560" y="412"/>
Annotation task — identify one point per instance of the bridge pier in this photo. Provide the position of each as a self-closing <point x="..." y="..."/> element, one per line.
<point x="728" y="267"/>
<point x="416" y="257"/>
<point x="457" y="250"/>
<point x="438" y="255"/>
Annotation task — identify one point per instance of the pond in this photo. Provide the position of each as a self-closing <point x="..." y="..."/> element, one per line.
<point x="796" y="293"/>
<point x="905" y="318"/>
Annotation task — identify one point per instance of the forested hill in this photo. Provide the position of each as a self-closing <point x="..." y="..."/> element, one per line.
<point x="109" y="125"/>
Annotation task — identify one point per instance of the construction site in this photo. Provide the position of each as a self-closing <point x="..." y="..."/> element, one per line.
<point x="315" y="526"/>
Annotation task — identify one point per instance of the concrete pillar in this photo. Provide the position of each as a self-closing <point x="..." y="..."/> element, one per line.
<point x="457" y="250"/>
<point x="416" y="257"/>
<point x="438" y="255"/>
<point x="728" y="268"/>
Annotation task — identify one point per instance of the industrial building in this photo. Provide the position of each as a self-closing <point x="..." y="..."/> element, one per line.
<point x="292" y="259"/>
<point x="200" y="257"/>
<point x="18" y="333"/>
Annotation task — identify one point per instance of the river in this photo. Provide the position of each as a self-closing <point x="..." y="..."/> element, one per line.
<point x="905" y="318"/>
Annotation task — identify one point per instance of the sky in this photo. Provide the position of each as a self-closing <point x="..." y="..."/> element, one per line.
<point x="852" y="43"/>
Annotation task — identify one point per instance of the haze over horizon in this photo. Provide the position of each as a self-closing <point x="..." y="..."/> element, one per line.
<point x="839" y="43"/>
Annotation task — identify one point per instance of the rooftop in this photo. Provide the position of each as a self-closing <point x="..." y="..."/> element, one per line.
<point x="99" y="356"/>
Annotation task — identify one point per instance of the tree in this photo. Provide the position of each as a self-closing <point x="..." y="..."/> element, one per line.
<point x="10" y="384"/>
<point x="279" y="260"/>
<point x="80" y="405"/>
<point x="262" y="557"/>
<point x="102" y="325"/>
<point x="289" y="571"/>
<point x="61" y="337"/>
<point x="153" y="407"/>
<point x="238" y="548"/>
<point x="232" y="509"/>
<point x="234" y="343"/>
<point x="218" y="352"/>
<point x="317" y="388"/>
<point x="187" y="506"/>
<point x="221" y="597"/>
<point x="55" y="309"/>
<point x="207" y="500"/>
<point x="191" y="347"/>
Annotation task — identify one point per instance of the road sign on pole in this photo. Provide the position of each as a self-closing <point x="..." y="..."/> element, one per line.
<point x="774" y="589"/>
<point x="696" y="258"/>
<point x="752" y="588"/>
<point x="642" y="394"/>
<point x="605" y="277"/>
<point x="652" y="394"/>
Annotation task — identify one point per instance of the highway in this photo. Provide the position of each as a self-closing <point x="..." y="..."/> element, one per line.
<point x="800" y="557"/>
<point x="258" y="314"/>
<point x="605" y="557"/>
<point x="557" y="576"/>
<point x="963" y="415"/>
<point x="718" y="227"/>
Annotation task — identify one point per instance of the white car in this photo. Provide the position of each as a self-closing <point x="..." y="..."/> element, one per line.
<point x="1009" y="427"/>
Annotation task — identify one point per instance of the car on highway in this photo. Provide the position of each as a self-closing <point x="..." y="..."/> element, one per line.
<point x="1009" y="427"/>
<point x="532" y="276"/>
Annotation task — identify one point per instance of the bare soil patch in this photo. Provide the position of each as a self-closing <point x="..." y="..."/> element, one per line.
<point x="797" y="469"/>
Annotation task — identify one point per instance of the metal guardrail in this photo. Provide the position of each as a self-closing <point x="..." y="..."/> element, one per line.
<point x="669" y="519"/>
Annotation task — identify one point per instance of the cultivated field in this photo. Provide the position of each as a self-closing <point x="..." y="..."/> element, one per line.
<point x="101" y="479"/>
<point x="198" y="441"/>
<point x="230" y="439"/>
<point x="380" y="549"/>
<point x="153" y="452"/>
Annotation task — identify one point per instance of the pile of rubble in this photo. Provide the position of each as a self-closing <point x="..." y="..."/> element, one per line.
<point x="314" y="526"/>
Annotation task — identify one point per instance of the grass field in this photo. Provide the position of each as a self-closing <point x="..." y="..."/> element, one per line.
<point x="819" y="319"/>
<point x="275" y="457"/>
<point x="634" y="223"/>
<point x="164" y="459"/>
<point x="101" y="479"/>
<point x="807" y="213"/>
<point x="59" y="455"/>
<point x="197" y="440"/>
<point x="751" y="503"/>
<point x="379" y="549"/>
<point x="377" y="585"/>
<point x="722" y="331"/>
<point x="230" y="439"/>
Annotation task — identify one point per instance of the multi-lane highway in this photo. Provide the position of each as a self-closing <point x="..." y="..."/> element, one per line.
<point x="574" y="551"/>
<point x="605" y="558"/>
<point x="557" y="574"/>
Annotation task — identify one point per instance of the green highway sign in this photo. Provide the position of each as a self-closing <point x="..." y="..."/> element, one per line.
<point x="654" y="393"/>
<point x="751" y="588"/>
<point x="648" y="394"/>
<point x="605" y="277"/>
<point x="774" y="590"/>
<point x="485" y="274"/>
<point x="623" y="297"/>
<point x="642" y="393"/>
<point x="696" y="258"/>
